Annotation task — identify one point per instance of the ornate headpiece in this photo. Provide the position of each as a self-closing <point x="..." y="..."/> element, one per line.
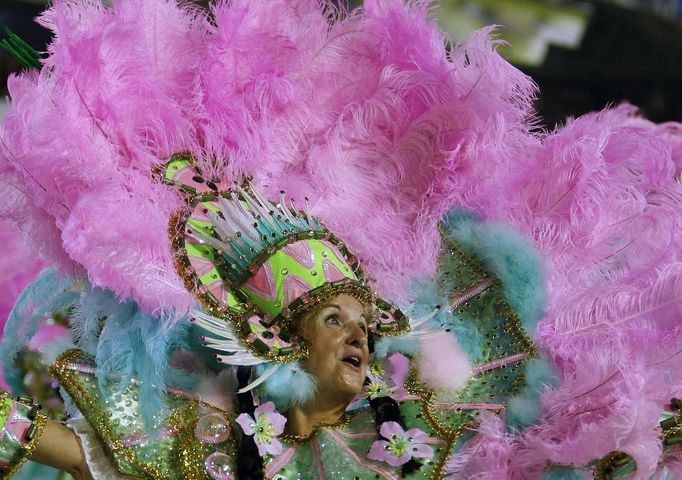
<point x="257" y="265"/>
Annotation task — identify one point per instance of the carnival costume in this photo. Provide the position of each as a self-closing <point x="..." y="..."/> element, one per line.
<point x="200" y="179"/>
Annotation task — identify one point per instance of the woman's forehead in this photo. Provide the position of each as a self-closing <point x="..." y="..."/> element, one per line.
<point x="349" y="304"/>
<point x="345" y="305"/>
<point x="349" y="309"/>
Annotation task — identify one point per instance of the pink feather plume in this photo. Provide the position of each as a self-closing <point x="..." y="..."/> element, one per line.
<point x="442" y="363"/>
<point x="602" y="202"/>
<point x="368" y="115"/>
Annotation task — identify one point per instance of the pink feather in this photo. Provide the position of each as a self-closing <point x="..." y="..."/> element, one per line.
<point x="366" y="114"/>
<point x="442" y="363"/>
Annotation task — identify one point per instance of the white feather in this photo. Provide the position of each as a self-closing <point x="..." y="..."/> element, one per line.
<point x="260" y="379"/>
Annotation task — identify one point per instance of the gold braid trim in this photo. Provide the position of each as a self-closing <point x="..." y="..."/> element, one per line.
<point x="438" y="469"/>
<point x="89" y="407"/>
<point x="672" y="429"/>
<point x="26" y="451"/>
<point x="608" y="464"/>
<point x="427" y="408"/>
<point x="183" y="268"/>
<point x="335" y="424"/>
<point x="672" y="434"/>
<point x="192" y="453"/>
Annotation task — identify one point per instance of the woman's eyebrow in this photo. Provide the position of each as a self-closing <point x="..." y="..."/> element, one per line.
<point x="362" y="315"/>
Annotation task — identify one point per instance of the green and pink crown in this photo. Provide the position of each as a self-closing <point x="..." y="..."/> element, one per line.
<point x="257" y="265"/>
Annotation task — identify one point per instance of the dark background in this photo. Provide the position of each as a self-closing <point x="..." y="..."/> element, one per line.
<point x="628" y="53"/>
<point x="625" y="54"/>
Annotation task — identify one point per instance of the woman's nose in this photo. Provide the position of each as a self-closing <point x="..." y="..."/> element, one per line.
<point x="356" y="336"/>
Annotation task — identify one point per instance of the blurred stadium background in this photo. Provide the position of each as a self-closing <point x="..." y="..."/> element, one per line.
<point x="584" y="55"/>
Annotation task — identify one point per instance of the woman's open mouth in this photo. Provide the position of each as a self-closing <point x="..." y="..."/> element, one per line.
<point x="352" y="360"/>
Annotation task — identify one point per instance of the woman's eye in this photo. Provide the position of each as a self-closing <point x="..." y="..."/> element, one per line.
<point x="333" y="320"/>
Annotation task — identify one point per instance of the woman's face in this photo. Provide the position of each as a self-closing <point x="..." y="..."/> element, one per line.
<point x="338" y="352"/>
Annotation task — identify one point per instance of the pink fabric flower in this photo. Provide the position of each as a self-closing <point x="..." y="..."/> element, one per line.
<point x="387" y="379"/>
<point x="401" y="445"/>
<point x="266" y="427"/>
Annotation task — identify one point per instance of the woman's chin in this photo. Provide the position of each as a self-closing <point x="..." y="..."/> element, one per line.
<point x="349" y="385"/>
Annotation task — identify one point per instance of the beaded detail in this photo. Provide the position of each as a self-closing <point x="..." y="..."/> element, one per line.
<point x="23" y="423"/>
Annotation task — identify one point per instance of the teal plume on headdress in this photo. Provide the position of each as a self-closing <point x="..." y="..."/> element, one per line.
<point x="246" y="228"/>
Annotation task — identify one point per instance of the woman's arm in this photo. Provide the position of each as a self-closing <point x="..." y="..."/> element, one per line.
<point x="60" y="448"/>
<point x="26" y="432"/>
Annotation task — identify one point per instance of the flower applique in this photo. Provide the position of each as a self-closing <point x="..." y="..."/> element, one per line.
<point x="265" y="425"/>
<point x="400" y="446"/>
<point x="387" y="377"/>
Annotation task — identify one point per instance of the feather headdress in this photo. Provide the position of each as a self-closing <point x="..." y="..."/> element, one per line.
<point x="369" y="116"/>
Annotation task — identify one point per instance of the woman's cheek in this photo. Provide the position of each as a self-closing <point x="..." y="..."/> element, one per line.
<point x="350" y="380"/>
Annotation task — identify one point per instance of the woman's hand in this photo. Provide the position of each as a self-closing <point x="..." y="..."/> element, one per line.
<point x="60" y="448"/>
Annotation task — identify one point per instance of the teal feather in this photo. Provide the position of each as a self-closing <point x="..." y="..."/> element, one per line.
<point x="94" y="307"/>
<point x="506" y="254"/>
<point x="509" y="257"/>
<point x="135" y="344"/>
<point x="70" y="408"/>
<point x="524" y="409"/>
<point x="290" y="385"/>
<point x="561" y="473"/>
<point x="427" y="298"/>
<point x="48" y="293"/>
<point x="126" y="342"/>
<point x="386" y="345"/>
<point x="181" y="378"/>
<point x="434" y="293"/>
<point x="503" y="252"/>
